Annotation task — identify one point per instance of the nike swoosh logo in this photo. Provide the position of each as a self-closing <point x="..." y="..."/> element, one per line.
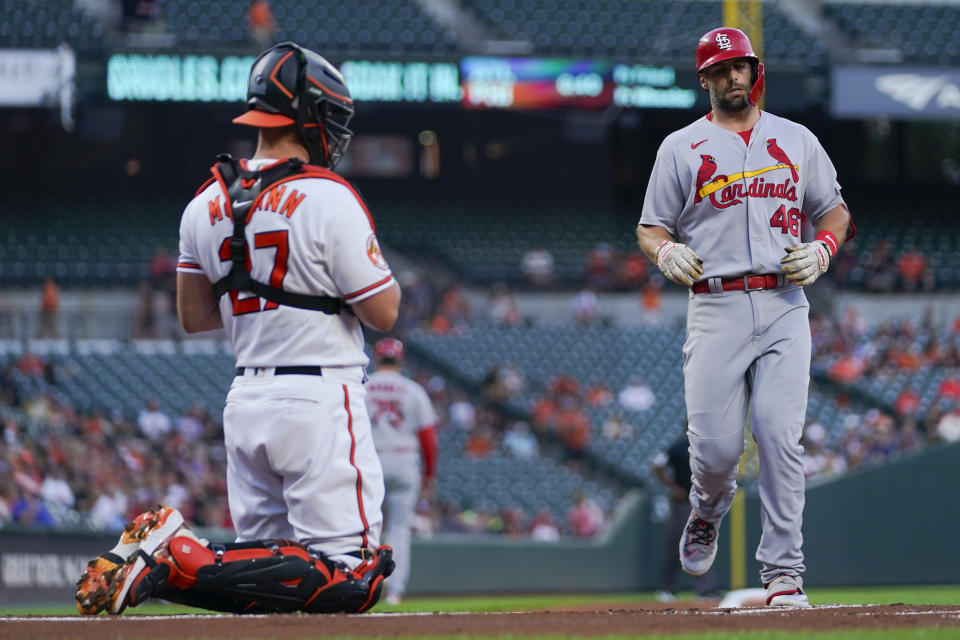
<point x="694" y="145"/>
<point x="237" y="204"/>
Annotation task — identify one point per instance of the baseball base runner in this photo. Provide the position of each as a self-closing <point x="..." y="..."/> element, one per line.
<point x="724" y="214"/>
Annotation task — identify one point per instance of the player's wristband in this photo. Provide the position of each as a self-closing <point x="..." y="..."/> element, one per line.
<point x="830" y="240"/>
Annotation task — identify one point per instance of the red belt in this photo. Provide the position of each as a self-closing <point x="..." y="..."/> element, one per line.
<point x="742" y="283"/>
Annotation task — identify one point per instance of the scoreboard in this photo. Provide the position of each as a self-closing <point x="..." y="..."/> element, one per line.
<point x="545" y="83"/>
<point x="473" y="82"/>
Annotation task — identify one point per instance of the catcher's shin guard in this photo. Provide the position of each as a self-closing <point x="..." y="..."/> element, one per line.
<point x="266" y="576"/>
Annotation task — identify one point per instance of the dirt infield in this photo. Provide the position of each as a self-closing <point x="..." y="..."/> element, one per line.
<point x="594" y="622"/>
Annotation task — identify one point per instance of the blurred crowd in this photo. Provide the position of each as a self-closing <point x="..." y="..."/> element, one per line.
<point x="59" y="465"/>
<point x="62" y="466"/>
<point x="918" y="361"/>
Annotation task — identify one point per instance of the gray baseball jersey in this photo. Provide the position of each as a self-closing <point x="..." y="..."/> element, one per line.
<point x="398" y="408"/>
<point x="738" y="204"/>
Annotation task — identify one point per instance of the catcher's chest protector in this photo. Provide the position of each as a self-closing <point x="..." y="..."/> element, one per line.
<point x="244" y="190"/>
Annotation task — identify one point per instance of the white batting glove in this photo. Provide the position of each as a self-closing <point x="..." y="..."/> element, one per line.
<point x="678" y="262"/>
<point x="806" y="262"/>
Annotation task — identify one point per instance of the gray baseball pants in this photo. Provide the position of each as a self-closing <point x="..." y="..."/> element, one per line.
<point x="750" y="350"/>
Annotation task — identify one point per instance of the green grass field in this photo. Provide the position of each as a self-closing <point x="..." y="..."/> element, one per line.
<point x="927" y="594"/>
<point x="918" y="595"/>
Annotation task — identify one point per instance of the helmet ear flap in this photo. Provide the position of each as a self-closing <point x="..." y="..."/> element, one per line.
<point x="310" y="127"/>
<point x="759" y="86"/>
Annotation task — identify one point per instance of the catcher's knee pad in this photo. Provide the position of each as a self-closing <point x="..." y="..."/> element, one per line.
<point x="266" y="576"/>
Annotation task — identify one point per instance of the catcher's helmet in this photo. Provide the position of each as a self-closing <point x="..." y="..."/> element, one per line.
<point x="388" y="349"/>
<point x="725" y="43"/>
<point x="290" y="85"/>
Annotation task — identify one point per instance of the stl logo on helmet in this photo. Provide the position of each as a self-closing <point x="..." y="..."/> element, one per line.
<point x="723" y="41"/>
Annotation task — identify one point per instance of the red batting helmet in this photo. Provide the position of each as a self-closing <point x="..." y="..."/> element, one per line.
<point x="388" y="349"/>
<point x="725" y="43"/>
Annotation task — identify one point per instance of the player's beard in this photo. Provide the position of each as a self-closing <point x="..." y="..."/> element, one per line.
<point x="734" y="104"/>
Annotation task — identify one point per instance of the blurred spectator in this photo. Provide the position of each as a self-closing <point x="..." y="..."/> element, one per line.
<point x="852" y="325"/>
<point x="543" y="413"/>
<point x="142" y="15"/>
<point x="48" y="319"/>
<point x="479" y="442"/>
<point x="914" y="271"/>
<point x="262" y="25"/>
<point x="28" y="509"/>
<point x="948" y="429"/>
<point x="879" y="269"/>
<point x="910" y="437"/>
<point x="543" y="527"/>
<point x="153" y="423"/>
<point x="599" y="395"/>
<point x="501" y="308"/>
<point x="584" y="306"/>
<point x="636" y="396"/>
<point x="55" y="488"/>
<point x="503" y="382"/>
<point x="632" y="271"/>
<point x="950" y="387"/>
<point x="616" y="428"/>
<point x="106" y="12"/>
<point x="600" y="266"/>
<point x="585" y="518"/>
<point x="537" y="266"/>
<point x="651" y="299"/>
<point x="907" y="403"/>
<point x="453" y="313"/>
<point x="109" y="511"/>
<point x="417" y="302"/>
<point x="519" y="441"/>
<point x="572" y="426"/>
<point x="514" y="522"/>
<point x="190" y="425"/>
<point x="163" y="270"/>
<point x="462" y="413"/>
<point x="6" y="501"/>
<point x="32" y="365"/>
<point x="882" y="441"/>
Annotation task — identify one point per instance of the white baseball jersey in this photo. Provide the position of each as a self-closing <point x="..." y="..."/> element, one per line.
<point x="301" y="462"/>
<point x="737" y="205"/>
<point x="311" y="236"/>
<point x="398" y="408"/>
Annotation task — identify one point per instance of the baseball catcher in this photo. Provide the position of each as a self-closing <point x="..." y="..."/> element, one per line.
<point x="158" y="556"/>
